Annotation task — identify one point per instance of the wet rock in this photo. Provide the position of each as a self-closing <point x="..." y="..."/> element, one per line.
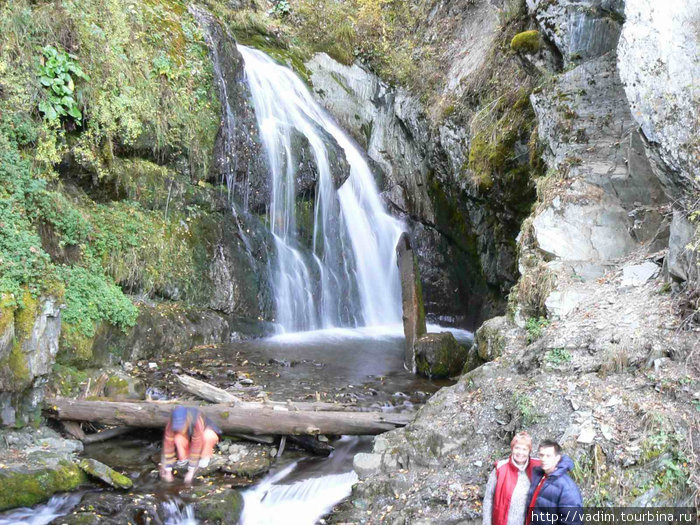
<point x="439" y="355"/>
<point x="247" y="460"/>
<point x="101" y="471"/>
<point x="35" y="465"/>
<point x="220" y="507"/>
<point x="174" y="329"/>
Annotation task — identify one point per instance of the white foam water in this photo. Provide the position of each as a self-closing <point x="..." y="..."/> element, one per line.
<point x="350" y="278"/>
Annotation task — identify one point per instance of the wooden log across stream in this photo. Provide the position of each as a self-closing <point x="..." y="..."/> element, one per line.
<point x="269" y="420"/>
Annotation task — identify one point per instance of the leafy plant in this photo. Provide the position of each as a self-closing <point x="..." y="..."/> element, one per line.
<point x="534" y="327"/>
<point x="557" y="356"/>
<point x="56" y="74"/>
<point x="279" y="8"/>
<point x="525" y="406"/>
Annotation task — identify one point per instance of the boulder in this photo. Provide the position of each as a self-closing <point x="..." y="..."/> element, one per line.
<point x="102" y="472"/>
<point x="489" y="339"/>
<point x="594" y="229"/>
<point x="35" y="465"/>
<point x="440" y="355"/>
<point x="638" y="274"/>
<point x="122" y="386"/>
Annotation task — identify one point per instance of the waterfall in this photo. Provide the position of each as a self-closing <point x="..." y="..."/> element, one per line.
<point x="348" y="276"/>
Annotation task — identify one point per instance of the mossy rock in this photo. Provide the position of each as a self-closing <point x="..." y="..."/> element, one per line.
<point x="526" y="42"/>
<point x="440" y="355"/>
<point x="123" y="386"/>
<point x="67" y="381"/>
<point x="103" y="472"/>
<point x="490" y="341"/>
<point x="224" y="507"/>
<point x="26" y="487"/>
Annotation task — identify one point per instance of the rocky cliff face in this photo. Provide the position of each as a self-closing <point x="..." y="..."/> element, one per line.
<point x="28" y="347"/>
<point x="465" y="244"/>
<point x="610" y="220"/>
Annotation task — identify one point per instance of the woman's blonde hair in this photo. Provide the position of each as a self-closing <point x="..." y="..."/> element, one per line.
<point x="521" y="437"/>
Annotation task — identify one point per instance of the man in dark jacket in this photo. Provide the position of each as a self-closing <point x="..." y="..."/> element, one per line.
<point x="554" y="498"/>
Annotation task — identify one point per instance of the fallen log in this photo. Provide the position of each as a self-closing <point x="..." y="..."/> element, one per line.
<point x="104" y="435"/>
<point x="205" y="390"/>
<point x="231" y="419"/>
<point x="214" y="394"/>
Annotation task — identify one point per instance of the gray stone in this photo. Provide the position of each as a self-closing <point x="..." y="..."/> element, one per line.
<point x="561" y="303"/>
<point x="366" y="464"/>
<point x="594" y="229"/>
<point x="580" y="29"/>
<point x="659" y="63"/>
<point x="682" y="262"/>
<point x="638" y="274"/>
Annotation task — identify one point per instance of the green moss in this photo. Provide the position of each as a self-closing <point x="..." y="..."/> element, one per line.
<point x="26" y="316"/>
<point x="526" y="42"/>
<point x="222" y="508"/>
<point x="117" y="386"/>
<point x="17" y="363"/>
<point x="120" y="480"/>
<point x="26" y="489"/>
<point x="75" y="348"/>
<point x="7" y="313"/>
<point x="67" y="381"/>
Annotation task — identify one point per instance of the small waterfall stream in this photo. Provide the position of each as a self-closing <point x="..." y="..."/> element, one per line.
<point x="350" y="278"/>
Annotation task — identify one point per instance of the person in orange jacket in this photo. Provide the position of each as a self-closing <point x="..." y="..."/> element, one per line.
<point x="190" y="437"/>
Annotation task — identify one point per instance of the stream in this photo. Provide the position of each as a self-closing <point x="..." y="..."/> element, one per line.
<point x="363" y="366"/>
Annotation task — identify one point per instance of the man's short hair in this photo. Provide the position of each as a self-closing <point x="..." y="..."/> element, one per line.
<point x="550" y="443"/>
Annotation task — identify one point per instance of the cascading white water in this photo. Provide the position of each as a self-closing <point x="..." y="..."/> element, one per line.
<point x="351" y="277"/>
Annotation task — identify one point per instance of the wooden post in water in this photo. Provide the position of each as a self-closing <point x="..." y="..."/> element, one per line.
<point x="411" y="299"/>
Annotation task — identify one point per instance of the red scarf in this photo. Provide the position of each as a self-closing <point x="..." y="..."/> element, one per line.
<point x="531" y="503"/>
<point x="506" y="479"/>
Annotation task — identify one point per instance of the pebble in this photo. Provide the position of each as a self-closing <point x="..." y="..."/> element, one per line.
<point x="152" y="366"/>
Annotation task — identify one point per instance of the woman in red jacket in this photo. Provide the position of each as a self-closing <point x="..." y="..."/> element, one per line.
<point x="192" y="437"/>
<point x="505" y="498"/>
